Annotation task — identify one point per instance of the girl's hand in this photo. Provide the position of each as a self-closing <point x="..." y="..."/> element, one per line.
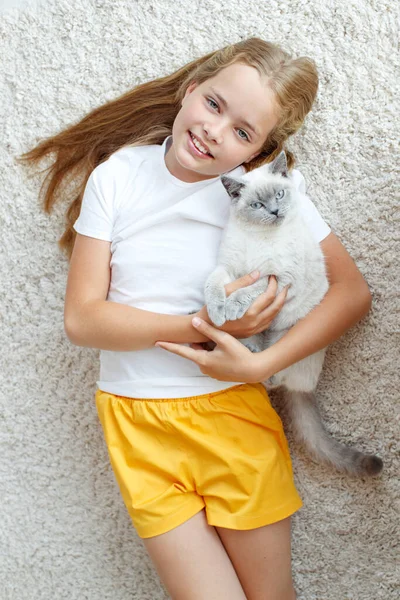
<point x="229" y="361"/>
<point x="260" y="314"/>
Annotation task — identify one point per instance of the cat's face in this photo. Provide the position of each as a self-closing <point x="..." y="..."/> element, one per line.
<point x="264" y="196"/>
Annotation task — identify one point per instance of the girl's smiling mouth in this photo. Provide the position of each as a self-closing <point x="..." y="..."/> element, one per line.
<point x="194" y="149"/>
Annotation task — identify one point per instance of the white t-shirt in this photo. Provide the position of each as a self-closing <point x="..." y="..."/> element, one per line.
<point x="164" y="236"/>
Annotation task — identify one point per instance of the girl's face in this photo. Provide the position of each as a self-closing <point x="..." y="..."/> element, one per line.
<point x="225" y="129"/>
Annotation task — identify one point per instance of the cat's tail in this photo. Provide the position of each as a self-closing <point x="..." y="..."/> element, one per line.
<point x="309" y="429"/>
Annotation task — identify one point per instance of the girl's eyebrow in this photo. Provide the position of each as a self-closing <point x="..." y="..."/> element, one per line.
<point x="225" y="104"/>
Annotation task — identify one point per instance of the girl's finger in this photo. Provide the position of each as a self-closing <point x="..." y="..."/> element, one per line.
<point x="194" y="355"/>
<point x="197" y="346"/>
<point x="197" y="356"/>
<point x="270" y="293"/>
<point x="244" y="281"/>
<point x="272" y="284"/>
<point x="216" y="335"/>
<point x="277" y="304"/>
<point x="266" y="298"/>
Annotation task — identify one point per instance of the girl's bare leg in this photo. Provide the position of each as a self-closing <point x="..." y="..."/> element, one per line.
<point x="262" y="560"/>
<point x="193" y="564"/>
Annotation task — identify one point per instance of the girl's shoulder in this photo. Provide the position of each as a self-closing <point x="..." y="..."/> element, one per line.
<point x="309" y="211"/>
<point x="133" y="154"/>
<point x="298" y="180"/>
<point x="136" y="152"/>
<point x="123" y="163"/>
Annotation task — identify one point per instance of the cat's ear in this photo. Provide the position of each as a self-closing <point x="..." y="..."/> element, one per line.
<point x="232" y="186"/>
<point x="279" y="165"/>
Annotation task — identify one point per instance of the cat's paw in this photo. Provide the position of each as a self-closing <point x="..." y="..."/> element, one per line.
<point x="216" y="312"/>
<point x="272" y="383"/>
<point x="236" y="306"/>
<point x="251" y="346"/>
<point x="254" y="343"/>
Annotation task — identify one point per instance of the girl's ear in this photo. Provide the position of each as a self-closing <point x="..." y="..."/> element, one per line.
<point x="251" y="157"/>
<point x="189" y="89"/>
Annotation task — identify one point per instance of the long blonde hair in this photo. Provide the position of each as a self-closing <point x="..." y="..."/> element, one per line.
<point x="145" y="115"/>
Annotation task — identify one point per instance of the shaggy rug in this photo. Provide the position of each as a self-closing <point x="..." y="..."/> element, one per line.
<point x="65" y="532"/>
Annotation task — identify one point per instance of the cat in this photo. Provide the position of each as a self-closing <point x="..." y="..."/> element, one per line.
<point x="266" y="232"/>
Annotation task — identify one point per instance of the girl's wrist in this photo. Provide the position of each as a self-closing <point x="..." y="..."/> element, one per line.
<point x="261" y="370"/>
<point x="196" y="337"/>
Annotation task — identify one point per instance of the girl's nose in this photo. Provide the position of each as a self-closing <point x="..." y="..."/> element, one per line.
<point x="212" y="134"/>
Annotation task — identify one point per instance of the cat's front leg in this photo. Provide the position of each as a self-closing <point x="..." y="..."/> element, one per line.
<point x="240" y="301"/>
<point x="215" y="295"/>
<point x="254" y="343"/>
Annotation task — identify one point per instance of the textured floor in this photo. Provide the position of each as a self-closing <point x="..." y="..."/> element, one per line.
<point x="7" y="5"/>
<point x="65" y="532"/>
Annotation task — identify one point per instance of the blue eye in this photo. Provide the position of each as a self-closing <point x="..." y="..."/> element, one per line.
<point x="247" y="137"/>
<point x="241" y="137"/>
<point x="280" y="194"/>
<point x="211" y="100"/>
<point x="257" y="205"/>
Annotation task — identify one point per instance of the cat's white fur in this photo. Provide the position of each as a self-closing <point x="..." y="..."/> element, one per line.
<point x="293" y="255"/>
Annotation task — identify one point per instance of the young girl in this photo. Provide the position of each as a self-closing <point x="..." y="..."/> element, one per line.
<point x="199" y="453"/>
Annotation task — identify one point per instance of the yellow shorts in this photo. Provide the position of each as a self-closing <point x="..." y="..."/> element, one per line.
<point x="225" y="451"/>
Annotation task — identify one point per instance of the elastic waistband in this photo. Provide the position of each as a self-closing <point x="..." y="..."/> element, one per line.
<point x="242" y="386"/>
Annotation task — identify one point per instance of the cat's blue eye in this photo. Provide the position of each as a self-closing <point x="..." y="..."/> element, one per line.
<point x="256" y="205"/>
<point x="280" y="194"/>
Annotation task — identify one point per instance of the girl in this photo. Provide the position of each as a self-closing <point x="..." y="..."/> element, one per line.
<point x="199" y="454"/>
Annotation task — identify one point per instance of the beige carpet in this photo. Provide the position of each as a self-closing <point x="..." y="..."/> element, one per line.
<point x="65" y="532"/>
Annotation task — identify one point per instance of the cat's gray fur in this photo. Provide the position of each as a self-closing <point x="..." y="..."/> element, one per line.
<point x="266" y="232"/>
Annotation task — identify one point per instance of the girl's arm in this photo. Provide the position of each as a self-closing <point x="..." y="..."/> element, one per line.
<point x="92" y="321"/>
<point x="118" y="327"/>
<point x="347" y="301"/>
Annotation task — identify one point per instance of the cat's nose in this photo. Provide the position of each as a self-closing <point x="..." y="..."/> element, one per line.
<point x="275" y="212"/>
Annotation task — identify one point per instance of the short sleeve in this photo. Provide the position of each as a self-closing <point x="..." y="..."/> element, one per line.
<point x="96" y="217"/>
<point x="318" y="227"/>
